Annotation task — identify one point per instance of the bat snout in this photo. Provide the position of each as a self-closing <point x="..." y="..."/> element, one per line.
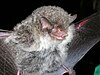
<point x="58" y="33"/>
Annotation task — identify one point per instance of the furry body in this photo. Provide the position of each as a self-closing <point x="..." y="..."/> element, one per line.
<point x="34" y="49"/>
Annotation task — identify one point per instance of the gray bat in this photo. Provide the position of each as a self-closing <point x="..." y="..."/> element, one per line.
<point x="47" y="41"/>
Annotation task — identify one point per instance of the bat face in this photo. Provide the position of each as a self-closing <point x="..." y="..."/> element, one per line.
<point x="54" y="31"/>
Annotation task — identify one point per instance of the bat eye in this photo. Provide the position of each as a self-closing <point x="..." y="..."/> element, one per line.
<point x="49" y="30"/>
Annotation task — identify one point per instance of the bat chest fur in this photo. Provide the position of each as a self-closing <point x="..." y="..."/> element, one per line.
<point x="40" y="60"/>
<point x="45" y="58"/>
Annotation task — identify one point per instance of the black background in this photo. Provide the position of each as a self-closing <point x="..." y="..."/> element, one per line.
<point x="12" y="12"/>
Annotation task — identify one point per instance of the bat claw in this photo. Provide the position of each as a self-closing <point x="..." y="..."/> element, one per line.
<point x="67" y="70"/>
<point x="18" y="73"/>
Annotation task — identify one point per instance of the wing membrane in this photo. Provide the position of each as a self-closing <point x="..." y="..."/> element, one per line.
<point x="86" y="37"/>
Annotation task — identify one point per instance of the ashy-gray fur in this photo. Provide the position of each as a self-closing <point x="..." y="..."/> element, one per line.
<point x="34" y="49"/>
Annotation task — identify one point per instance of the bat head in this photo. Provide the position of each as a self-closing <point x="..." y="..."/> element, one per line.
<point x="47" y="26"/>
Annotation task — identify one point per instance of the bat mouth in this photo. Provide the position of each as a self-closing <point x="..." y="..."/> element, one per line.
<point x="58" y="36"/>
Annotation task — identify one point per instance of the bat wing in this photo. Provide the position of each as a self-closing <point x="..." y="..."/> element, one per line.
<point x="87" y="35"/>
<point x="7" y="65"/>
<point x="4" y="33"/>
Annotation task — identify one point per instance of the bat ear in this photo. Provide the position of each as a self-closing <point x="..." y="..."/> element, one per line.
<point x="72" y="18"/>
<point x="45" y="23"/>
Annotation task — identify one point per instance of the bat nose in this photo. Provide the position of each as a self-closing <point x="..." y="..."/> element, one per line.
<point x="58" y="33"/>
<point x="61" y="32"/>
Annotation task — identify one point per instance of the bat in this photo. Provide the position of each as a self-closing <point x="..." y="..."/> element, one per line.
<point x="56" y="43"/>
<point x="42" y="36"/>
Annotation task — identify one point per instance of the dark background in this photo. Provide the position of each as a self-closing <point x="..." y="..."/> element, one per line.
<point x="13" y="12"/>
